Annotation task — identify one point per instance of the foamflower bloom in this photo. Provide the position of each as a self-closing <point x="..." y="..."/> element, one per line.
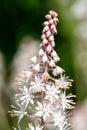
<point x="43" y="110"/>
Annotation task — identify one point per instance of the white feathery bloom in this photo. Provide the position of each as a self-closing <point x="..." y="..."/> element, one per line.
<point x="37" y="127"/>
<point x="19" y="112"/>
<point x="25" y="96"/>
<point x="37" y="85"/>
<point x="66" y="102"/>
<point x="63" y="82"/>
<point x="43" y="110"/>
<point x="59" y="120"/>
<point x="23" y="77"/>
<point x="52" y="93"/>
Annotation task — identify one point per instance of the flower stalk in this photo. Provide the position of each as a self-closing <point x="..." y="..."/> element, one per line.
<point x="45" y="92"/>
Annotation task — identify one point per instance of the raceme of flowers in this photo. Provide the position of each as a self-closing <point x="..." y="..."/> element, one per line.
<point x="41" y="95"/>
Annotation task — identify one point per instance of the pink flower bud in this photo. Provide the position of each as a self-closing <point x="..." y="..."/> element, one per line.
<point x="53" y="28"/>
<point x="34" y="59"/>
<point x="54" y="54"/>
<point x="52" y="43"/>
<point x="46" y="28"/>
<point x="43" y="36"/>
<point x="57" y="70"/>
<point x="45" y="41"/>
<point x="36" y="68"/>
<point x="51" y="21"/>
<point x="52" y="64"/>
<point x="51" y="38"/>
<point x="56" y="58"/>
<point x="48" y="33"/>
<point x="44" y="58"/>
<point x="46" y="23"/>
<point x="48" y="48"/>
<point x="48" y="17"/>
<point x="41" y="52"/>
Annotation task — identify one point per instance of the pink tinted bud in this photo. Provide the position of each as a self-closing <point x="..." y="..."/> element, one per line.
<point x="46" y="23"/>
<point x="51" y="38"/>
<point x="36" y="68"/>
<point x="52" y="64"/>
<point x="48" y="48"/>
<point x="53" y="28"/>
<point x="52" y="43"/>
<point x="34" y="59"/>
<point x="57" y="70"/>
<point x="56" y="58"/>
<point x="54" y="54"/>
<point x="43" y="36"/>
<point x="41" y="52"/>
<point x="48" y="16"/>
<point x="51" y="21"/>
<point x="48" y="33"/>
<point x="55" y="20"/>
<point x="44" y="58"/>
<point x="46" y="28"/>
<point x="45" y="41"/>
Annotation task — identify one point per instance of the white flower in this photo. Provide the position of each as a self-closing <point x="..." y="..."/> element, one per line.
<point x="37" y="85"/>
<point x="66" y="101"/>
<point x="43" y="110"/>
<point x="63" y="82"/>
<point x="25" y="96"/>
<point x="31" y="127"/>
<point x="19" y="111"/>
<point x="23" y="78"/>
<point x="34" y="59"/>
<point x="52" y="93"/>
<point x="59" y="120"/>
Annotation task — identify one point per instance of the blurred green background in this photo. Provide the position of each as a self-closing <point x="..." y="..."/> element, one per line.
<point x="24" y="18"/>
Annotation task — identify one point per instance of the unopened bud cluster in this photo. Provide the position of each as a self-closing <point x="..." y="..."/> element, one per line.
<point x="41" y="97"/>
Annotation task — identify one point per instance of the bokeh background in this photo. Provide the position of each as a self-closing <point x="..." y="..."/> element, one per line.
<point x="20" y="32"/>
